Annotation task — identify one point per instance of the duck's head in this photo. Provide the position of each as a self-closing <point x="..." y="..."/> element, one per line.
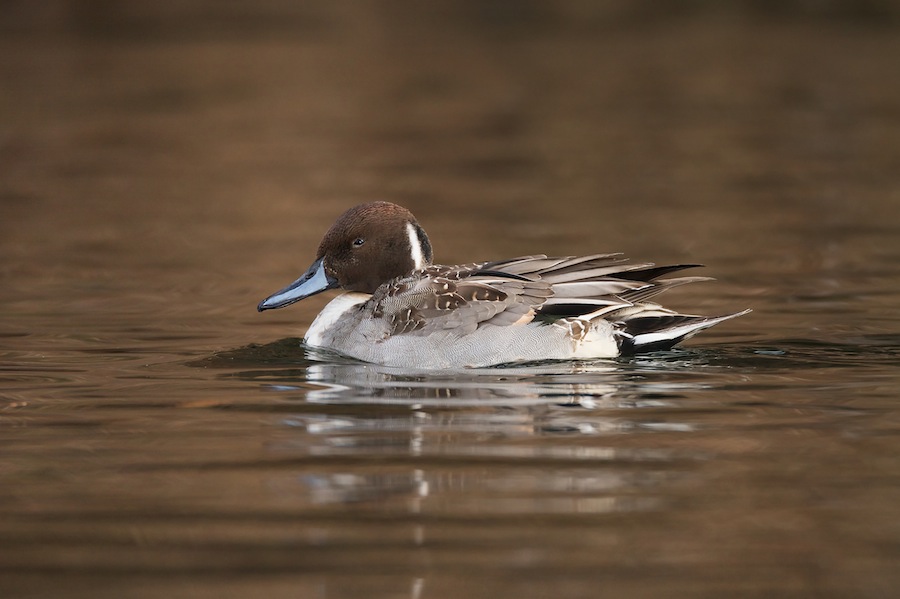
<point x="367" y="246"/>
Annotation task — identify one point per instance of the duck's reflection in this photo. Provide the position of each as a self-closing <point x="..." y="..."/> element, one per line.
<point x="571" y="384"/>
<point x="414" y="461"/>
<point x="521" y="439"/>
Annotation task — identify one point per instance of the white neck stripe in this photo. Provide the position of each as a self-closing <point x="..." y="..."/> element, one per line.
<point x="415" y="246"/>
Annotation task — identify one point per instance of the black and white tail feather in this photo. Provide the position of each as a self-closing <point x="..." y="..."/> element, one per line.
<point x="606" y="285"/>
<point x="663" y="331"/>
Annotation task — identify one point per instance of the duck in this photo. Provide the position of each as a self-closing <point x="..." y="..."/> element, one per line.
<point x="400" y="309"/>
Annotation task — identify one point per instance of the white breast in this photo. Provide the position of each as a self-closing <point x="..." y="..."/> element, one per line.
<point x="332" y="313"/>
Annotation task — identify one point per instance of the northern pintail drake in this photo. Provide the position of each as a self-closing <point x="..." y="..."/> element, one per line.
<point x="399" y="309"/>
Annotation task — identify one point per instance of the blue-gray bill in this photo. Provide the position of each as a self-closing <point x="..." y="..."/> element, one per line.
<point x="315" y="280"/>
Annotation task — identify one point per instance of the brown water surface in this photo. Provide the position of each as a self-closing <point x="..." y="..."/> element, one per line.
<point x="164" y="169"/>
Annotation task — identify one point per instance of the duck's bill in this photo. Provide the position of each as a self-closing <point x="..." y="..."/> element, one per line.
<point x="315" y="280"/>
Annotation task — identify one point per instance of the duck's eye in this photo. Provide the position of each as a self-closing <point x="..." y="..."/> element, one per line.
<point x="358" y="241"/>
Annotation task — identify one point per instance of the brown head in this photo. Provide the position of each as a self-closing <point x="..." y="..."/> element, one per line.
<point x="367" y="246"/>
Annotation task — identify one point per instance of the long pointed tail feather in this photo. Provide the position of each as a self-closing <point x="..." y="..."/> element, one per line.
<point x="661" y="332"/>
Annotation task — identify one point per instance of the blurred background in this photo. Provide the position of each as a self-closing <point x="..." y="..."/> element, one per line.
<point x="166" y="165"/>
<point x="201" y="144"/>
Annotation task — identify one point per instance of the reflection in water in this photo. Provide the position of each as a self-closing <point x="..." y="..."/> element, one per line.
<point x="525" y="386"/>
<point x="522" y="493"/>
<point x="479" y="440"/>
<point x="608" y="441"/>
<point x="500" y="443"/>
<point x="332" y="473"/>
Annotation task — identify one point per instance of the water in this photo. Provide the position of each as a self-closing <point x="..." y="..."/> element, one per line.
<point x="165" y="169"/>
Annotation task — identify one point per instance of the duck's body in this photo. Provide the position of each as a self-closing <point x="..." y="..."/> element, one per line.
<point x="401" y="310"/>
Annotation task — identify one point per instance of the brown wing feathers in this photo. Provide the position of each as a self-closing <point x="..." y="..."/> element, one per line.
<point x="462" y="298"/>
